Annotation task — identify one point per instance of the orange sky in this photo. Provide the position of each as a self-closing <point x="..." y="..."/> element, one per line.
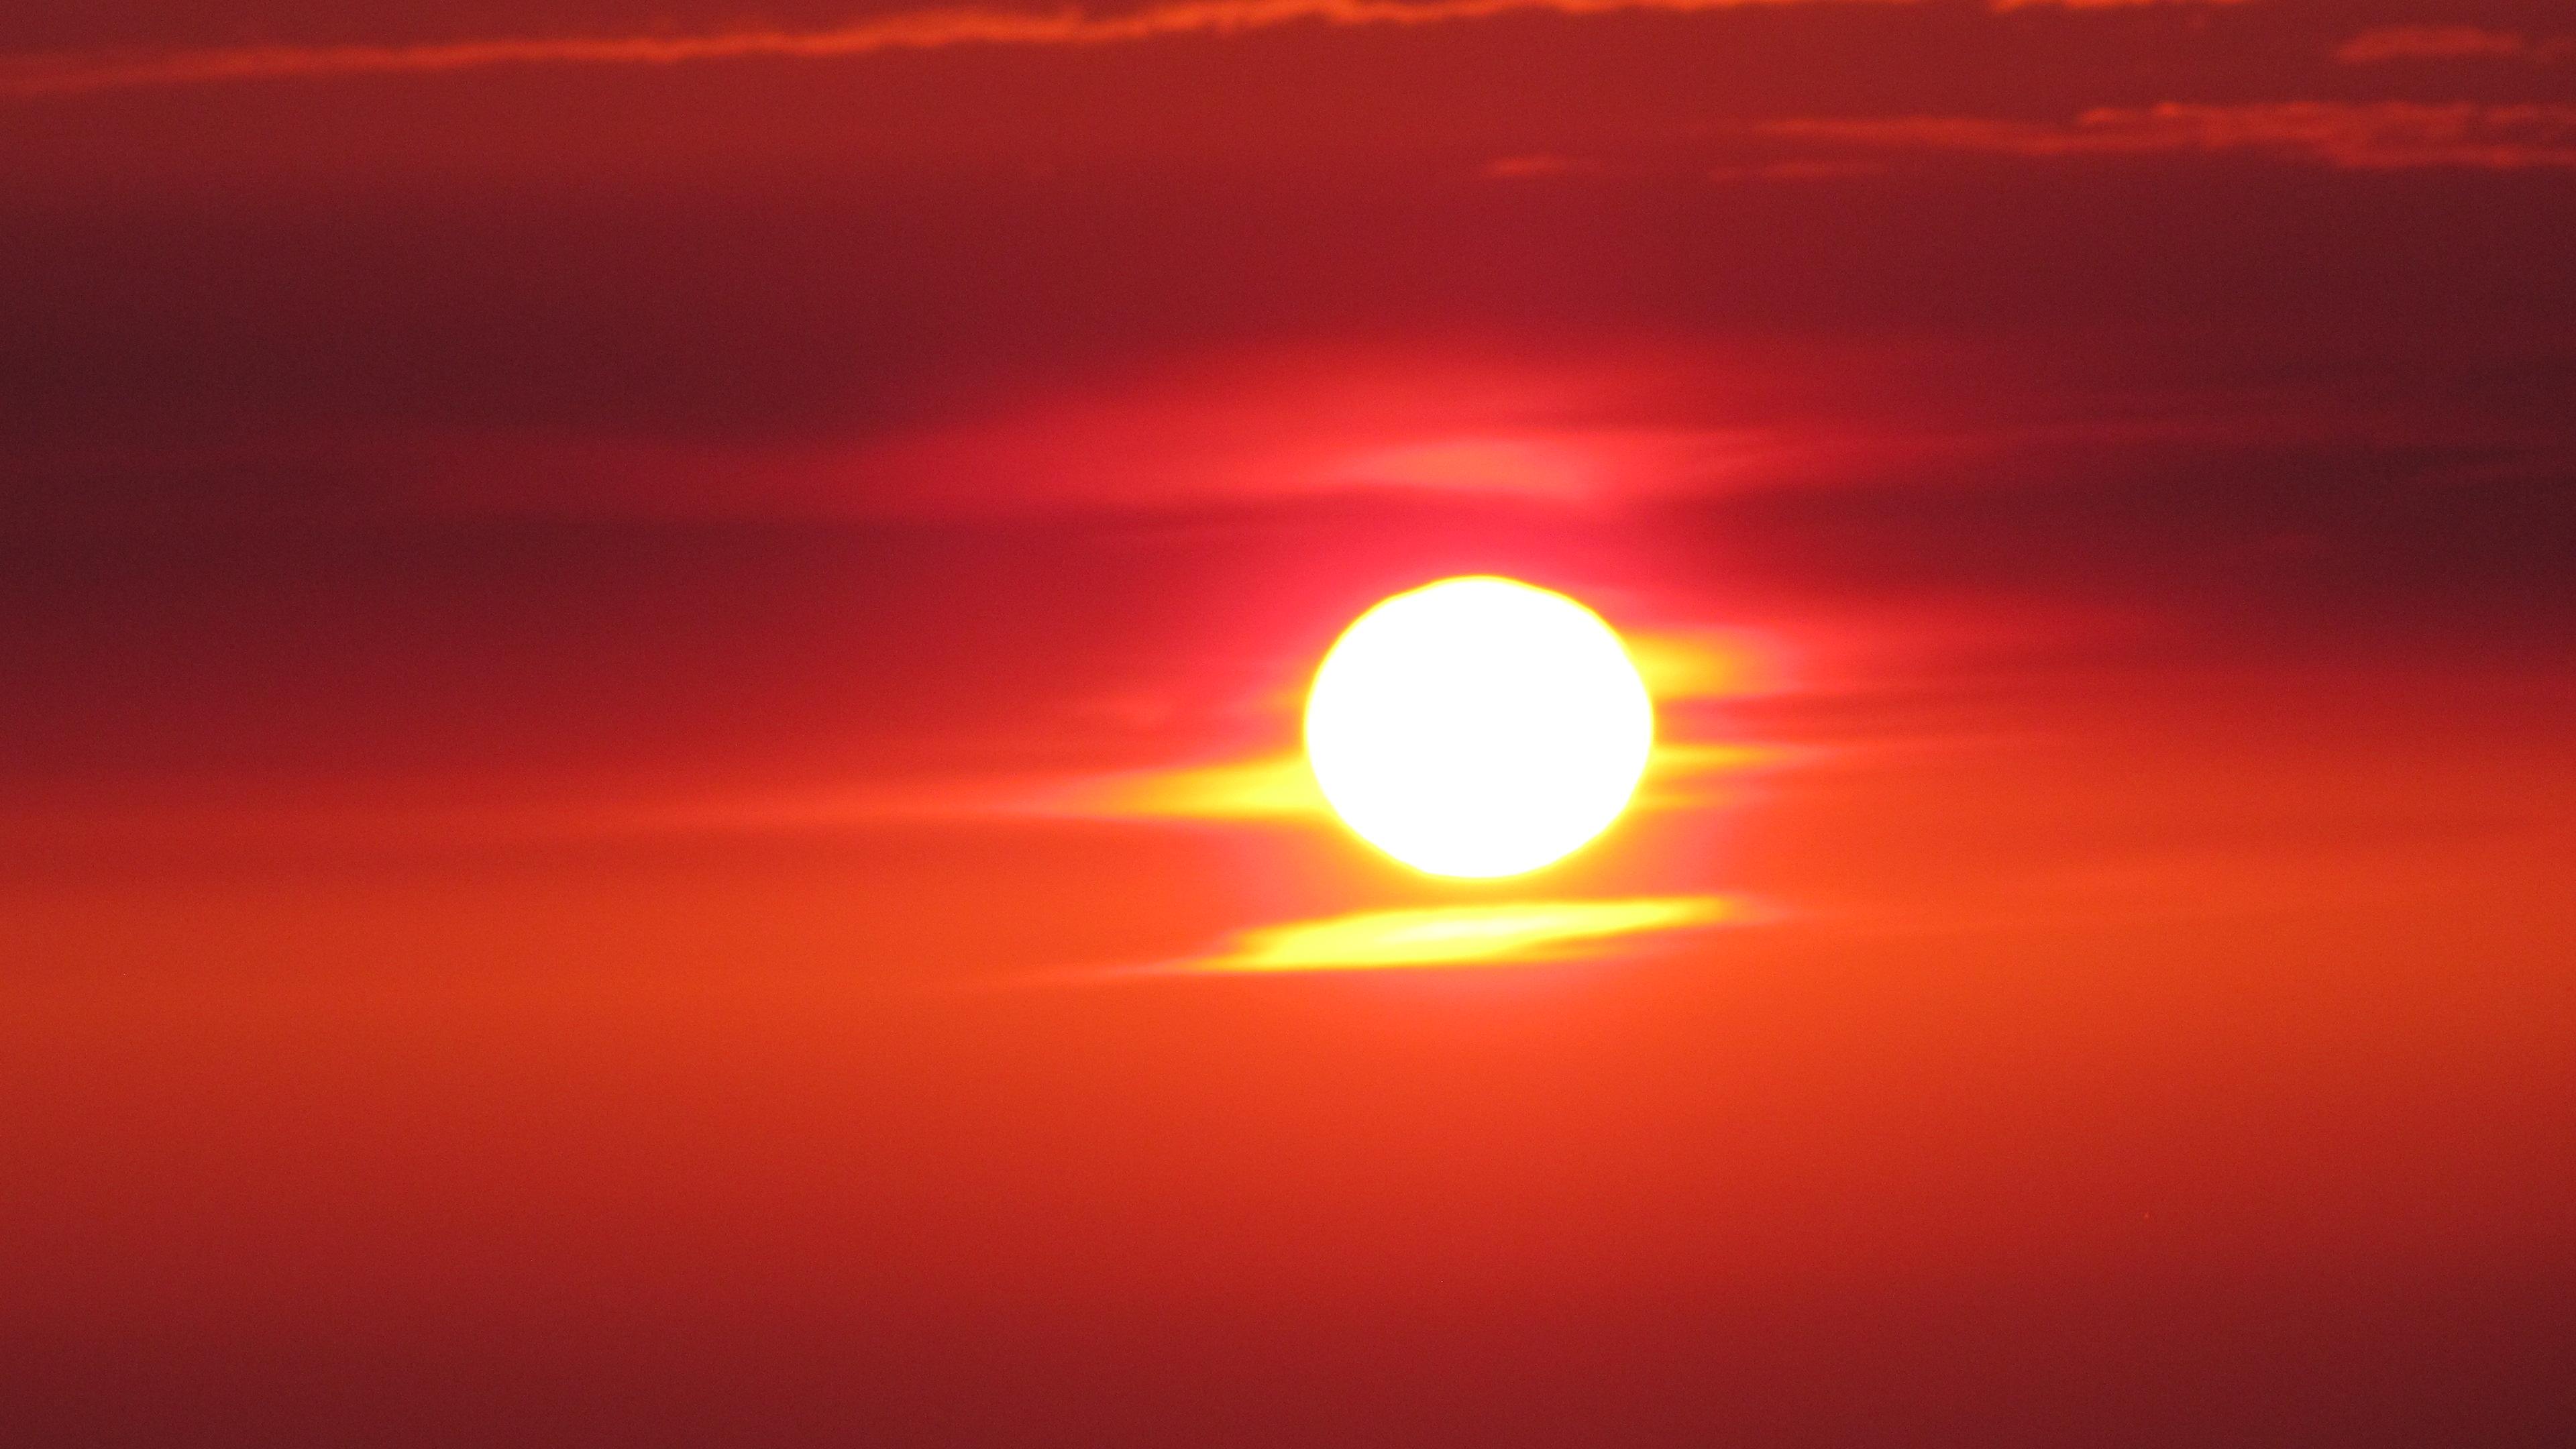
<point x="647" y="787"/>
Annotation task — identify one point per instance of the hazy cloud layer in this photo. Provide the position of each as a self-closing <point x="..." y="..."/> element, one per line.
<point x="2450" y="42"/>
<point x="2373" y="136"/>
<point x="57" y="74"/>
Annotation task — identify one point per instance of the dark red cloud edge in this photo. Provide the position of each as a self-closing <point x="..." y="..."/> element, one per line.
<point x="530" y="583"/>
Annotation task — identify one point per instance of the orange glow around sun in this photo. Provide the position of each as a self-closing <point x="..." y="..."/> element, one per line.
<point x="1478" y="727"/>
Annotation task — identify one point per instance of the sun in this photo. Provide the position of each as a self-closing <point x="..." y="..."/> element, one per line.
<point x="1478" y="727"/>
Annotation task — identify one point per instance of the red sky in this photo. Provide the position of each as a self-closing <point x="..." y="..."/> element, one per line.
<point x="637" y="642"/>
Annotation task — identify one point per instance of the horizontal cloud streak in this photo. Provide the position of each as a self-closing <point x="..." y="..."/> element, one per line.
<point x="2449" y="42"/>
<point x="1517" y="933"/>
<point x="64" y="74"/>
<point x="2382" y="136"/>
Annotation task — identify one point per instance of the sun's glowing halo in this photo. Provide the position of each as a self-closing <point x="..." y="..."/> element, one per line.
<point x="1478" y="727"/>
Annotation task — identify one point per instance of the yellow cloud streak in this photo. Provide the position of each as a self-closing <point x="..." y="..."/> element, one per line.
<point x="1513" y="934"/>
<point x="1695" y="666"/>
<point x="66" y="74"/>
<point x="1280" y="787"/>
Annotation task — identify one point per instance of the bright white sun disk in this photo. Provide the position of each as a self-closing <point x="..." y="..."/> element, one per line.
<point x="1478" y="727"/>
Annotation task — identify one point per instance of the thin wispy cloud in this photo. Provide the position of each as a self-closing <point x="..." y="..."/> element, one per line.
<point x="2379" y="136"/>
<point x="2450" y="42"/>
<point x="1513" y="933"/>
<point x="53" y="74"/>
<point x="2098" y="4"/>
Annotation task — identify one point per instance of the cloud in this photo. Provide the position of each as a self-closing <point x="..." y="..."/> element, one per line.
<point x="2378" y="136"/>
<point x="1430" y="423"/>
<point x="2097" y="4"/>
<point x="2449" y="42"/>
<point x="1802" y="168"/>
<point x="1517" y="933"/>
<point x="1586" y="436"/>
<point x="73" y="73"/>
<point x="1278" y="787"/>
<point x="1539" y="164"/>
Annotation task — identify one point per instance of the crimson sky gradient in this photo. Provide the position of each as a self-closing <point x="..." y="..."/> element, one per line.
<point x="652" y="657"/>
